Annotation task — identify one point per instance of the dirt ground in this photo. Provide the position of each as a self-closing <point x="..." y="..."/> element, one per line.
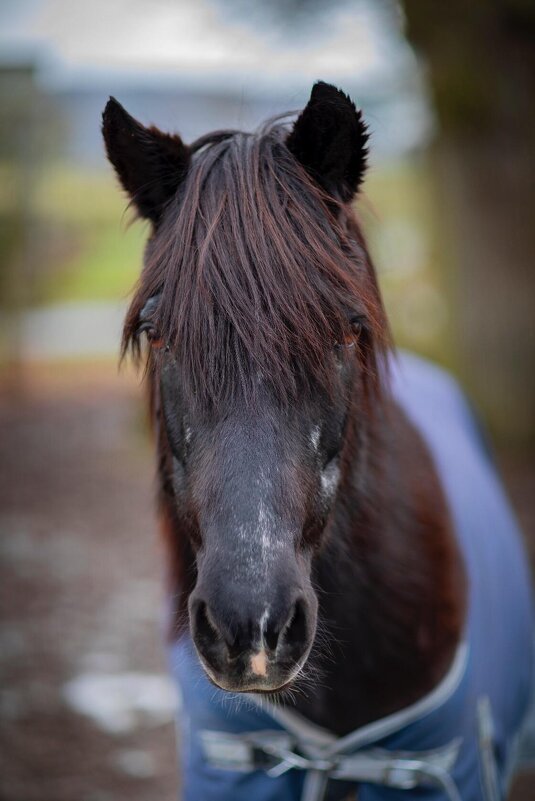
<point x="85" y="709"/>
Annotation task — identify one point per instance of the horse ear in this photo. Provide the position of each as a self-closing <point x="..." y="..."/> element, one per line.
<point x="150" y="164"/>
<point x="329" y="139"/>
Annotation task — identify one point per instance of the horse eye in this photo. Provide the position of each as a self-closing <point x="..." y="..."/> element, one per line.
<point x="356" y="327"/>
<point x="152" y="334"/>
<point x="347" y="342"/>
<point x="351" y="338"/>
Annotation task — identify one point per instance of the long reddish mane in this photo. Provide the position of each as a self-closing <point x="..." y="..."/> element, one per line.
<point x="256" y="271"/>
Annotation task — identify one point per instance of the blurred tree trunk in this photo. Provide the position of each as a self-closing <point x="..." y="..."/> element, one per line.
<point x="481" y="59"/>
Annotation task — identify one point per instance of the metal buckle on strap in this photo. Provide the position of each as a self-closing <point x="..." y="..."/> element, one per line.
<point x="276" y="753"/>
<point x="289" y="760"/>
<point x="263" y="750"/>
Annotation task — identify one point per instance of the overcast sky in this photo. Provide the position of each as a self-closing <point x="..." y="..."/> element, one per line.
<point x="354" y="41"/>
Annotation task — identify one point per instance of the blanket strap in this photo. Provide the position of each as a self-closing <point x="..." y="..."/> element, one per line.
<point x="277" y="752"/>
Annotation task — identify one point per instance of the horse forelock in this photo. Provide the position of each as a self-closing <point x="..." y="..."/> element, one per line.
<point x="257" y="272"/>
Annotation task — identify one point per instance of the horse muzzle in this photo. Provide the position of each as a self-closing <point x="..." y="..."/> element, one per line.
<point x="243" y="652"/>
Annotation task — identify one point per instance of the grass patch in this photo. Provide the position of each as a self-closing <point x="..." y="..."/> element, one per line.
<point x="105" y="266"/>
<point x="90" y="253"/>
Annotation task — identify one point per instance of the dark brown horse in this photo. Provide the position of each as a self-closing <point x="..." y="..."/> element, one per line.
<point x="310" y="541"/>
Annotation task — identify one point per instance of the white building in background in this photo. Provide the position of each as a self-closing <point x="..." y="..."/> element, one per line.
<point x="196" y="65"/>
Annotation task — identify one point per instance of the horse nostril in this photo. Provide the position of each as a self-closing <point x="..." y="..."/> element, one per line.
<point x="212" y="638"/>
<point x="295" y="630"/>
<point x="205" y="631"/>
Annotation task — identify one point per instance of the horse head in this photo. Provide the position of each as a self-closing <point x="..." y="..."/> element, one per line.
<point x="265" y="332"/>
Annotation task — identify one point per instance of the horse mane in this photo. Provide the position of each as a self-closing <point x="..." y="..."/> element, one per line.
<point x="257" y="271"/>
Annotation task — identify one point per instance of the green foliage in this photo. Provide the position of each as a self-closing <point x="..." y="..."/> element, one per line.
<point x="87" y="251"/>
<point x="399" y="218"/>
<point x="77" y="222"/>
<point x="104" y="266"/>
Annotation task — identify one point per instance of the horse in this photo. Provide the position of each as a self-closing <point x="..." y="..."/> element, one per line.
<point x="349" y="603"/>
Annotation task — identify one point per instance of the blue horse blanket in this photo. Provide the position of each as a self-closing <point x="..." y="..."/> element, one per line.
<point x="458" y="742"/>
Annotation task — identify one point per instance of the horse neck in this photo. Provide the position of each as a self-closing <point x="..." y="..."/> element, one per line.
<point x="389" y="580"/>
<point x="390" y="583"/>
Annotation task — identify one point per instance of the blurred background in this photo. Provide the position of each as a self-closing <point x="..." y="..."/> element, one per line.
<point x="449" y="210"/>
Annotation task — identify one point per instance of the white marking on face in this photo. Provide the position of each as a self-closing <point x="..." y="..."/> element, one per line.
<point x="263" y="622"/>
<point x="329" y="482"/>
<point x="262" y="539"/>
<point x="315" y="437"/>
<point x="259" y="663"/>
<point x="187" y="434"/>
